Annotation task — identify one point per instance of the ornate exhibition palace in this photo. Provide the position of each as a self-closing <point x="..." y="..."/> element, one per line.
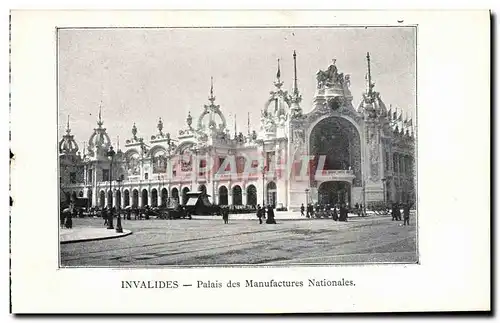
<point x="330" y="152"/>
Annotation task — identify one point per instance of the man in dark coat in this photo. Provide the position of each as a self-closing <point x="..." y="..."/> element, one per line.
<point x="225" y="215"/>
<point x="406" y="214"/>
<point x="335" y="216"/>
<point x="270" y="215"/>
<point x="302" y="209"/>
<point x="259" y="213"/>
<point x="398" y="212"/>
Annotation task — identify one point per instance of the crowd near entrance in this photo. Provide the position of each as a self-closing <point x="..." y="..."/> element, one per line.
<point x="334" y="193"/>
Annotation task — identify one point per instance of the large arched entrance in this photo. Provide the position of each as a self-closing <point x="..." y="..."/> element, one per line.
<point x="154" y="197"/>
<point x="144" y="197"/>
<point x="126" y="198"/>
<point x="251" y="195"/>
<point x="237" y="196"/>
<point x="135" y="198"/>
<point x="164" y="196"/>
<point x="271" y="194"/>
<point x="338" y="140"/>
<point x="223" y="195"/>
<point x="185" y="190"/>
<point x="334" y="193"/>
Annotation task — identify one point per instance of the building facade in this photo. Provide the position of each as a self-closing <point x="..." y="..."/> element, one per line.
<point x="334" y="153"/>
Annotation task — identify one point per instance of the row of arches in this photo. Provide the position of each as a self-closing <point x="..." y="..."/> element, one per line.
<point x="155" y="197"/>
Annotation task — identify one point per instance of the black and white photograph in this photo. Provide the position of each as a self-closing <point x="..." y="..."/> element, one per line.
<point x="237" y="146"/>
<point x="249" y="161"/>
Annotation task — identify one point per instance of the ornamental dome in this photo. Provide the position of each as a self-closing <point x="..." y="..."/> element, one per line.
<point x="211" y="120"/>
<point x="99" y="141"/>
<point x="68" y="145"/>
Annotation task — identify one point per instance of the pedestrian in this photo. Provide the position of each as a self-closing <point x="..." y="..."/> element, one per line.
<point x="406" y="214"/>
<point x="225" y="215"/>
<point x="259" y="213"/>
<point x="398" y="212"/>
<point x="335" y="216"/>
<point x="270" y="215"/>
<point x="104" y="215"/>
<point x="393" y="212"/>
<point x="302" y="210"/>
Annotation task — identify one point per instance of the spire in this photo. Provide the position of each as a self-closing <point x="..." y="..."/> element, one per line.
<point x="248" y="123"/>
<point x="84" y="148"/>
<point x="99" y="122"/>
<point x="278" y="83"/>
<point x="118" y="143"/>
<point x="295" y="87"/>
<point x="369" y="74"/>
<point x="235" y="133"/>
<point x="68" y="130"/>
<point x="212" y="97"/>
<point x="278" y="74"/>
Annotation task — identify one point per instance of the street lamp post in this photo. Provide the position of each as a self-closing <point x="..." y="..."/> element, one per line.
<point x="119" y="228"/>
<point x="364" y="198"/>
<point x="263" y="185"/>
<point x="307" y="201"/>
<point x="383" y="182"/>
<point x="111" y="155"/>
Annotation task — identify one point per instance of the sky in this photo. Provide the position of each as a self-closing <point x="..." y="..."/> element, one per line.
<point x="139" y="75"/>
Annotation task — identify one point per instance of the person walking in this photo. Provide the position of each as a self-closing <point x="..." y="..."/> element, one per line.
<point x="398" y="212"/>
<point x="259" y="213"/>
<point x="225" y="215"/>
<point x="335" y="216"/>
<point x="104" y="214"/>
<point x="406" y="214"/>
<point x="302" y="210"/>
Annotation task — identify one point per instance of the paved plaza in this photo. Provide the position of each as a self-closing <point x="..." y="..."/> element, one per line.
<point x="210" y="242"/>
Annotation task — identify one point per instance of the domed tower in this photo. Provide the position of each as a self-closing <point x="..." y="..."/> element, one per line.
<point x="99" y="141"/>
<point x="211" y="124"/>
<point x="70" y="164"/>
<point x="68" y="145"/>
<point x="276" y="111"/>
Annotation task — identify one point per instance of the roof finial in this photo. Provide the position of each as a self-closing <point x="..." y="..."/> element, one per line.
<point x="235" y="133"/>
<point x="212" y="97"/>
<point x="369" y="75"/>
<point x="117" y="143"/>
<point x="278" y="74"/>
<point x="248" y="123"/>
<point x="278" y="83"/>
<point x="295" y="87"/>
<point x="160" y="126"/>
<point x="68" y="130"/>
<point x="99" y="122"/>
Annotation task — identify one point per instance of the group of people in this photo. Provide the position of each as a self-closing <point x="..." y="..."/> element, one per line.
<point x="396" y="212"/>
<point x="261" y="214"/>
<point x="66" y="217"/>
<point x="327" y="210"/>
